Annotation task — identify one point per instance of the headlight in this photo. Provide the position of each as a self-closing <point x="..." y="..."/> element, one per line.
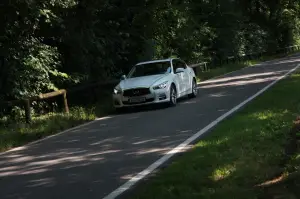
<point x="117" y="91"/>
<point x="161" y="86"/>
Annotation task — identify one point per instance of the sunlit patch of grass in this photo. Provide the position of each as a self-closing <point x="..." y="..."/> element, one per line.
<point x="241" y="152"/>
<point x="202" y="144"/>
<point x="211" y="142"/>
<point x="223" y="172"/>
<point x="266" y="115"/>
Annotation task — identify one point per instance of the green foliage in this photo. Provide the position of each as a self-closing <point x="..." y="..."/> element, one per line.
<point x="58" y="43"/>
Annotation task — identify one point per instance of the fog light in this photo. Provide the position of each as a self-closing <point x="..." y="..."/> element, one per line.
<point x="162" y="96"/>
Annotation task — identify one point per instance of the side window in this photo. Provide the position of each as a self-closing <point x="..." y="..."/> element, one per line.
<point x="176" y="64"/>
<point x="182" y="63"/>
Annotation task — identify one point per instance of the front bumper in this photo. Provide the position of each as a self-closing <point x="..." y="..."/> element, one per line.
<point x="155" y="96"/>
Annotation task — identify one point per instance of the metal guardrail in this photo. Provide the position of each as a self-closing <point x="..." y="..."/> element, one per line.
<point x="26" y="102"/>
<point x="203" y="65"/>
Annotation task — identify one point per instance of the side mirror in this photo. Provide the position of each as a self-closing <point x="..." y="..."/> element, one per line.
<point x="179" y="70"/>
<point x="123" y="77"/>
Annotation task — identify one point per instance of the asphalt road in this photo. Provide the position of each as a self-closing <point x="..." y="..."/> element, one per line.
<point x="93" y="160"/>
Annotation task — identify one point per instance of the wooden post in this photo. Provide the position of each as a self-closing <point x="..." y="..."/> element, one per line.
<point x="27" y="110"/>
<point x="65" y="101"/>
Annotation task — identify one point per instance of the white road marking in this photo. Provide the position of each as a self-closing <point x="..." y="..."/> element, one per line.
<point x="183" y="146"/>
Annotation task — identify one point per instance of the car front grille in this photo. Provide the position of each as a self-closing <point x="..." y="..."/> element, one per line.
<point x="136" y="92"/>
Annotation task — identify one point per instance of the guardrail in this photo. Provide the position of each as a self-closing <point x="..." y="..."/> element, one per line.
<point x="26" y="103"/>
<point x="203" y="65"/>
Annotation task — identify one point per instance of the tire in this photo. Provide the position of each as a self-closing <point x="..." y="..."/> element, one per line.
<point x="194" y="89"/>
<point x="173" y="96"/>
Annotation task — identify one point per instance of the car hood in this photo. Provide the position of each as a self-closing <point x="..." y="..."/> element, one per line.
<point x="145" y="81"/>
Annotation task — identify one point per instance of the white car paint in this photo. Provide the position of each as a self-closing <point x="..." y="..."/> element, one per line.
<point x="182" y="81"/>
<point x="140" y="81"/>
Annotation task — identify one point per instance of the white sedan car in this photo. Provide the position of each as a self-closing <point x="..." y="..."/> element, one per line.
<point x="159" y="81"/>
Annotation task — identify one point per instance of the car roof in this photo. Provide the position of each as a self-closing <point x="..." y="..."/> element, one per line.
<point x="155" y="61"/>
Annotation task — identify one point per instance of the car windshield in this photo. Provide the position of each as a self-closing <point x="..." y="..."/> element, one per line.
<point x="150" y="69"/>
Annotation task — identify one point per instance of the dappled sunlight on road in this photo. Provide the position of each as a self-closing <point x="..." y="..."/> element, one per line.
<point x="283" y="61"/>
<point x="260" y="78"/>
<point x="239" y="77"/>
<point x="116" y="139"/>
<point x="150" y="150"/>
<point x="143" y="142"/>
<point x="46" y="182"/>
<point x="69" y="160"/>
<point x="220" y="94"/>
<point x="30" y="165"/>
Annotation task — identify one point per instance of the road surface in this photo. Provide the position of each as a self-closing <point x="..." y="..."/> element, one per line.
<point x="92" y="161"/>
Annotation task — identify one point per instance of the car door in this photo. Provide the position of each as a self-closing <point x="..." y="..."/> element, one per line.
<point x="186" y="76"/>
<point x="179" y="77"/>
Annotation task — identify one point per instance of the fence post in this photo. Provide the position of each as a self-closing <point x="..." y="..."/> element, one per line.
<point x="27" y="110"/>
<point x="65" y="102"/>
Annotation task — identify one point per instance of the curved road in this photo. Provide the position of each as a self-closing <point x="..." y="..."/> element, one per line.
<point x="93" y="160"/>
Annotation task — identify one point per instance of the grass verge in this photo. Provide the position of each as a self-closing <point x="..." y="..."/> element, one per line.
<point x="240" y="153"/>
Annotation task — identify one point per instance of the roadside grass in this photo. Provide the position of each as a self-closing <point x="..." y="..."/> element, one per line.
<point x="240" y="153"/>
<point x="19" y="133"/>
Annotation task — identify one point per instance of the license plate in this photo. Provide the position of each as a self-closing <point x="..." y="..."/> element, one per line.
<point x="137" y="100"/>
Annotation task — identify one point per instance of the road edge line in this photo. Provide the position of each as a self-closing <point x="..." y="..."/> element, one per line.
<point x="126" y="186"/>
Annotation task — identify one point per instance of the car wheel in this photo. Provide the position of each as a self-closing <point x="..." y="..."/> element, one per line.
<point x="194" y="89"/>
<point x="173" y="96"/>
